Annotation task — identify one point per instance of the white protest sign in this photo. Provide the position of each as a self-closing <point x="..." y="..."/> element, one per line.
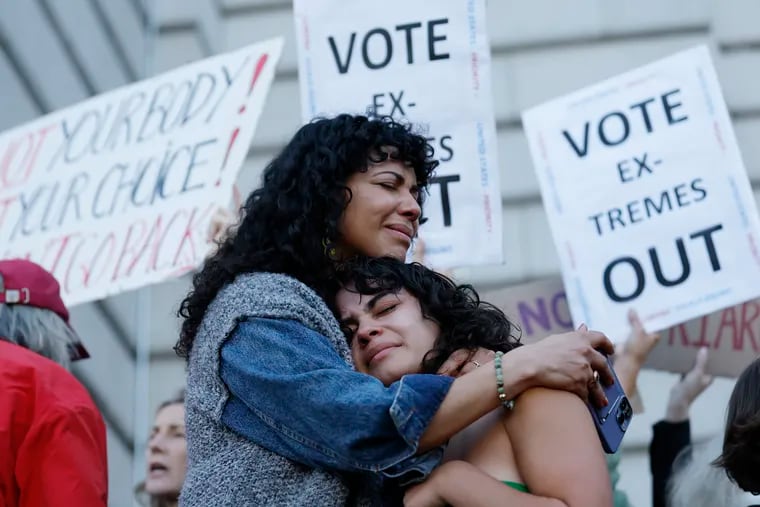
<point x="647" y="196"/>
<point x="116" y="192"/>
<point x="732" y="334"/>
<point x="428" y="63"/>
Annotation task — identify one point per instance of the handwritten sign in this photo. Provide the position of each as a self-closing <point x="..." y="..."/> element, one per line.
<point x="732" y="334"/>
<point x="116" y="192"/>
<point x="428" y="63"/>
<point x="647" y="196"/>
<point x="539" y="308"/>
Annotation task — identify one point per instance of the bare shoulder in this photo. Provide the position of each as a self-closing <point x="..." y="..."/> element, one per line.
<point x="542" y="407"/>
<point x="557" y="449"/>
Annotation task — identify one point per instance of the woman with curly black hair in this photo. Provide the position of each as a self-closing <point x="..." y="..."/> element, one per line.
<point x="275" y="413"/>
<point x="401" y="319"/>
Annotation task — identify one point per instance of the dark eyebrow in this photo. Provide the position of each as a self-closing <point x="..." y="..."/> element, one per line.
<point x="400" y="180"/>
<point x="171" y="427"/>
<point x="377" y="297"/>
<point x="368" y="307"/>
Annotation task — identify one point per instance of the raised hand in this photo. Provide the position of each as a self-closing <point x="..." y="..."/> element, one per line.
<point x="634" y="353"/>
<point x="691" y="385"/>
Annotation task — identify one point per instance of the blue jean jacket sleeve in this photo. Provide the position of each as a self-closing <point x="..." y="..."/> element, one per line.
<point x="292" y="393"/>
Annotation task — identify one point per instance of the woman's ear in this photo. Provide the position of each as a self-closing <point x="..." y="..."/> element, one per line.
<point x="348" y="195"/>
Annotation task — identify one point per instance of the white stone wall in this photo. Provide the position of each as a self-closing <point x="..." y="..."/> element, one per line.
<point x="56" y="52"/>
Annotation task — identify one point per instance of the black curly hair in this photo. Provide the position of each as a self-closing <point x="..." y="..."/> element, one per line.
<point x="741" y="442"/>
<point x="465" y="321"/>
<point x="299" y="205"/>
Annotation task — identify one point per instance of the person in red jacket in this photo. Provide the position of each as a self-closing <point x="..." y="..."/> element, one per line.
<point x="52" y="436"/>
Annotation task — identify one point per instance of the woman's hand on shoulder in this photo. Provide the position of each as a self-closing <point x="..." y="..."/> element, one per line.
<point x="567" y="362"/>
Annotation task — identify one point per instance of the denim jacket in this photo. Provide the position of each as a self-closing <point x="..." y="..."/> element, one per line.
<point x="276" y="415"/>
<point x="300" y="404"/>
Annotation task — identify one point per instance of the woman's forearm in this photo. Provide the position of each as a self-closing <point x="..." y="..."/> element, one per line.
<point x="472" y="396"/>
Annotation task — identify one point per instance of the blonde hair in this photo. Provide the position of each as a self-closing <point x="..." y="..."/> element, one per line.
<point x="696" y="482"/>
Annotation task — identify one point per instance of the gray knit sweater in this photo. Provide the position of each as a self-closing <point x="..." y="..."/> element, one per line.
<point x="224" y="468"/>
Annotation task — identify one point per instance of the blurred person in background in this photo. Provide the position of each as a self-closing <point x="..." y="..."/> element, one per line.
<point x="696" y="482"/>
<point x="671" y="435"/>
<point x="52" y="436"/>
<point x="166" y="456"/>
<point x="740" y="456"/>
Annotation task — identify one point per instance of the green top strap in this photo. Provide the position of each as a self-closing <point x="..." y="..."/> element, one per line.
<point x="517" y="486"/>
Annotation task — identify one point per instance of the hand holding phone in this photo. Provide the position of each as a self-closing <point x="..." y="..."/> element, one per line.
<point x="612" y="420"/>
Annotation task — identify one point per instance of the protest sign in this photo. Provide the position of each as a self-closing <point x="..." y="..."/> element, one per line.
<point x="647" y="196"/>
<point x="732" y="334"/>
<point x="116" y="192"/>
<point x="539" y="308"/>
<point x="427" y="63"/>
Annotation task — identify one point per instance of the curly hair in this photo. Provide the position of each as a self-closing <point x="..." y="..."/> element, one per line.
<point x="465" y="321"/>
<point x="741" y="442"/>
<point x="299" y="205"/>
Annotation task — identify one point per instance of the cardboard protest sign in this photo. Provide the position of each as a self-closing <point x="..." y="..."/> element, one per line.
<point x="428" y="63"/>
<point x="539" y="308"/>
<point x="116" y="192"/>
<point x="647" y="196"/>
<point x="732" y="334"/>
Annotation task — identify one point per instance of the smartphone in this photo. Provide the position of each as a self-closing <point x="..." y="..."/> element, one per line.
<point x="613" y="420"/>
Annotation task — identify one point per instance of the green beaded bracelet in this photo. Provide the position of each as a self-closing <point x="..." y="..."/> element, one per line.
<point x="508" y="404"/>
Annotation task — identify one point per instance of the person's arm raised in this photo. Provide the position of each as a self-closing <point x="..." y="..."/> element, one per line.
<point x="635" y="351"/>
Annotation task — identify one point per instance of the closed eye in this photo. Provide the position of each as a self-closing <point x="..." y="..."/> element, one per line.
<point x="387" y="310"/>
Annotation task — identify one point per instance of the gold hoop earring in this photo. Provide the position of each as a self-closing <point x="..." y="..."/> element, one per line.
<point x="330" y="249"/>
